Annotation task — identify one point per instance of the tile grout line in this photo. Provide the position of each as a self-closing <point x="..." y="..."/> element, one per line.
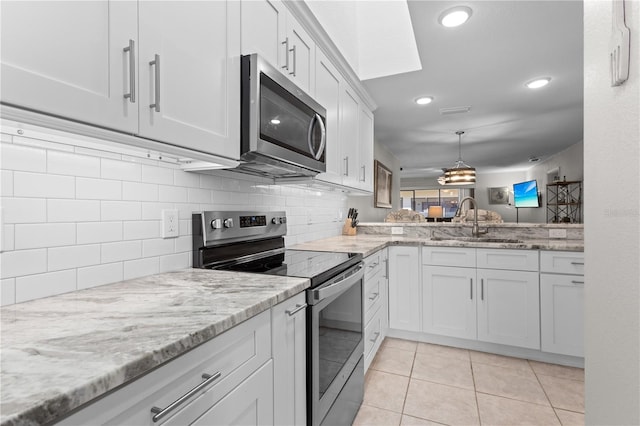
<point x="555" y="413"/>
<point x="406" y="393"/>
<point x="475" y="391"/>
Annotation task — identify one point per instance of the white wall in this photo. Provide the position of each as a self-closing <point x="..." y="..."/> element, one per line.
<point x="364" y="203"/>
<point x="76" y="218"/>
<point x="612" y="224"/>
<point x="484" y="181"/>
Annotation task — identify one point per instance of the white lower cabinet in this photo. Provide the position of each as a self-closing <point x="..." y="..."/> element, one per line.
<point x="404" y="288"/>
<point x="375" y="303"/>
<point x="289" y="361"/>
<point x="509" y="308"/>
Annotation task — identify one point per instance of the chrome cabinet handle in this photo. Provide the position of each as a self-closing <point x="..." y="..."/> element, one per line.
<point x="346" y="166"/>
<point x="363" y="174"/>
<point x="577" y="263"/>
<point x="482" y="289"/>
<point x="294" y="60"/>
<point x="297" y="309"/>
<point x="156" y="63"/>
<point x="386" y="262"/>
<point x="471" y="288"/>
<point x="132" y="72"/>
<point x="377" y="334"/>
<point x="577" y="282"/>
<point x="374" y="297"/>
<point x="373" y="265"/>
<point x="286" y="52"/>
<point x="160" y="413"/>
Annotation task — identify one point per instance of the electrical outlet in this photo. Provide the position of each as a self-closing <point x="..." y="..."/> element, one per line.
<point x="170" y="223"/>
<point x="557" y="233"/>
<point x="397" y="230"/>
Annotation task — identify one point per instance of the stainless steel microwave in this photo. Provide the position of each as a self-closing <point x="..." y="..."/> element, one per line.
<point x="283" y="131"/>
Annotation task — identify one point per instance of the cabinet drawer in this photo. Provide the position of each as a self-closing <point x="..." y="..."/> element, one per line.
<point x="562" y="262"/>
<point x="449" y="256"/>
<point x="372" y="336"/>
<point x="234" y="354"/>
<point x="515" y="260"/>
<point x="372" y="265"/>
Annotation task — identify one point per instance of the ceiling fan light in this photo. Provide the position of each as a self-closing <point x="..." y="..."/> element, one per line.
<point x="455" y="16"/>
<point x="538" y="83"/>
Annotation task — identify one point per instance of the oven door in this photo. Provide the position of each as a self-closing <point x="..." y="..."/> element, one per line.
<point x="336" y="341"/>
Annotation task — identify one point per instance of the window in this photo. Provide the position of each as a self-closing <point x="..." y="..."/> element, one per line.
<point x="420" y="199"/>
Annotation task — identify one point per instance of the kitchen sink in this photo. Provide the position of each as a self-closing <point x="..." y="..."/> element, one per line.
<point x="478" y="239"/>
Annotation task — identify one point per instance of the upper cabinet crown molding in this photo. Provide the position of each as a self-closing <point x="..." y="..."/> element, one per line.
<point x="303" y="14"/>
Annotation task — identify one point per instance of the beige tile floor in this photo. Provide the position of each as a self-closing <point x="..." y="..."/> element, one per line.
<point x="412" y="383"/>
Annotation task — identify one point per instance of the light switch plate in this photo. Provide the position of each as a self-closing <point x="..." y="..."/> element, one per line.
<point x="397" y="230"/>
<point x="170" y="224"/>
<point x="557" y="233"/>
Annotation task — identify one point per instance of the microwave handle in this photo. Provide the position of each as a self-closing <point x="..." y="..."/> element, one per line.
<point x="323" y="138"/>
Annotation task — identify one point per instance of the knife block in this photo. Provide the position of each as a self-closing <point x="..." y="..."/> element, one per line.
<point x="347" y="229"/>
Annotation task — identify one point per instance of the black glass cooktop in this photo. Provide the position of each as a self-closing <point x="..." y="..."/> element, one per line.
<point x="318" y="266"/>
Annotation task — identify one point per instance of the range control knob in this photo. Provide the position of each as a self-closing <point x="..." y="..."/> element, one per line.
<point x="283" y="220"/>
<point x="276" y="221"/>
<point x="228" y="223"/>
<point x="216" y="223"/>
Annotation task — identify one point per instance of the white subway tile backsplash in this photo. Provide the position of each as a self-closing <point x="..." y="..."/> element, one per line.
<point x="174" y="194"/>
<point x="98" y="189"/>
<point x="65" y="163"/>
<point x="199" y="195"/>
<point x="97" y="153"/>
<point x="157" y="247"/>
<point x="153" y="211"/>
<point x="73" y="210"/>
<point x="41" y="185"/>
<point x="6" y="137"/>
<point x="99" y="232"/>
<point x="174" y="262"/>
<point x="19" y="157"/>
<point x="98" y="275"/>
<point x="8" y="238"/>
<point x="141" y="230"/>
<point x="8" y="292"/>
<point x="139" y="191"/>
<point x="120" y="210"/>
<point x="73" y="257"/>
<point x="43" y="285"/>
<point x="24" y="210"/>
<point x="120" y="170"/>
<point x="7" y="183"/>
<point x="185" y="211"/>
<point x="183" y="244"/>
<point x="39" y="235"/>
<point x="23" y="262"/>
<point x="185" y="227"/>
<point x="182" y="178"/>
<point x="125" y="250"/>
<point x="141" y="267"/>
<point x="160" y="175"/>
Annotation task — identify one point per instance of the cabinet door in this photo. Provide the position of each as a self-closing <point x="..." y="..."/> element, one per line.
<point x="562" y="314"/>
<point x="190" y="74"/>
<point x="365" y="154"/>
<point x="404" y="288"/>
<point x="509" y="308"/>
<point x="327" y="93"/>
<point x="251" y="403"/>
<point x="66" y="58"/>
<point x="300" y="53"/>
<point x="289" y="361"/>
<point x="264" y="29"/>
<point x="449" y="301"/>
<point x="349" y="109"/>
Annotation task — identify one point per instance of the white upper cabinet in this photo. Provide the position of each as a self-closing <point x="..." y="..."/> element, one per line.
<point x="190" y="74"/>
<point x="68" y="59"/>
<point x="264" y="29"/>
<point x="349" y="141"/>
<point x="301" y="49"/>
<point x="365" y="154"/>
<point x="327" y="93"/>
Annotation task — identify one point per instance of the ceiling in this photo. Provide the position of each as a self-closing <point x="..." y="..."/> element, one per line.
<point x="485" y="64"/>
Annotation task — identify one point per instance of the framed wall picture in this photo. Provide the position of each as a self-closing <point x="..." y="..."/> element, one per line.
<point x="499" y="195"/>
<point x="381" y="185"/>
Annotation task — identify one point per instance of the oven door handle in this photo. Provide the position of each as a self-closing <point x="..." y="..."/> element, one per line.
<point x="348" y="279"/>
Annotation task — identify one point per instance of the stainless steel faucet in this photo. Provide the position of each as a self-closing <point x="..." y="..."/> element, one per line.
<point x="475" y="230"/>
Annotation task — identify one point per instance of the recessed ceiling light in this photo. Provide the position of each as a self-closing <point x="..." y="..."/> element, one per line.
<point x="424" y="100"/>
<point x="538" y="83"/>
<point x="275" y="121"/>
<point x="455" y="16"/>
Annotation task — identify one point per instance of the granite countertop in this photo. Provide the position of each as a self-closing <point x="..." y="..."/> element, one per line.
<point x="63" y="351"/>
<point x="368" y="244"/>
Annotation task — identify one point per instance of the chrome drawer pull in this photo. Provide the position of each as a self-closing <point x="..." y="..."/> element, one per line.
<point x="482" y="289"/>
<point x="156" y="63"/>
<point x="471" y="288"/>
<point x="375" y="338"/>
<point x="373" y="265"/>
<point x="160" y="413"/>
<point x="577" y="263"/>
<point x="577" y="282"/>
<point x="297" y="309"/>
<point x="374" y="297"/>
<point x="132" y="72"/>
<point x="293" y="73"/>
<point x="286" y="52"/>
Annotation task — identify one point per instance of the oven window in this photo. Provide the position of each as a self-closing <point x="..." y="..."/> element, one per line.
<point x="339" y="334"/>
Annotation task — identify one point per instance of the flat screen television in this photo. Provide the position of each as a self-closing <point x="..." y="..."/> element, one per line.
<point x="525" y="194"/>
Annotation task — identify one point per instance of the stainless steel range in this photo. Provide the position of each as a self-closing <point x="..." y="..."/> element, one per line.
<point x="254" y="242"/>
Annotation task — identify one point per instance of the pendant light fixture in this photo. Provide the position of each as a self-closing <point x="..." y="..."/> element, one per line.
<point x="461" y="173"/>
